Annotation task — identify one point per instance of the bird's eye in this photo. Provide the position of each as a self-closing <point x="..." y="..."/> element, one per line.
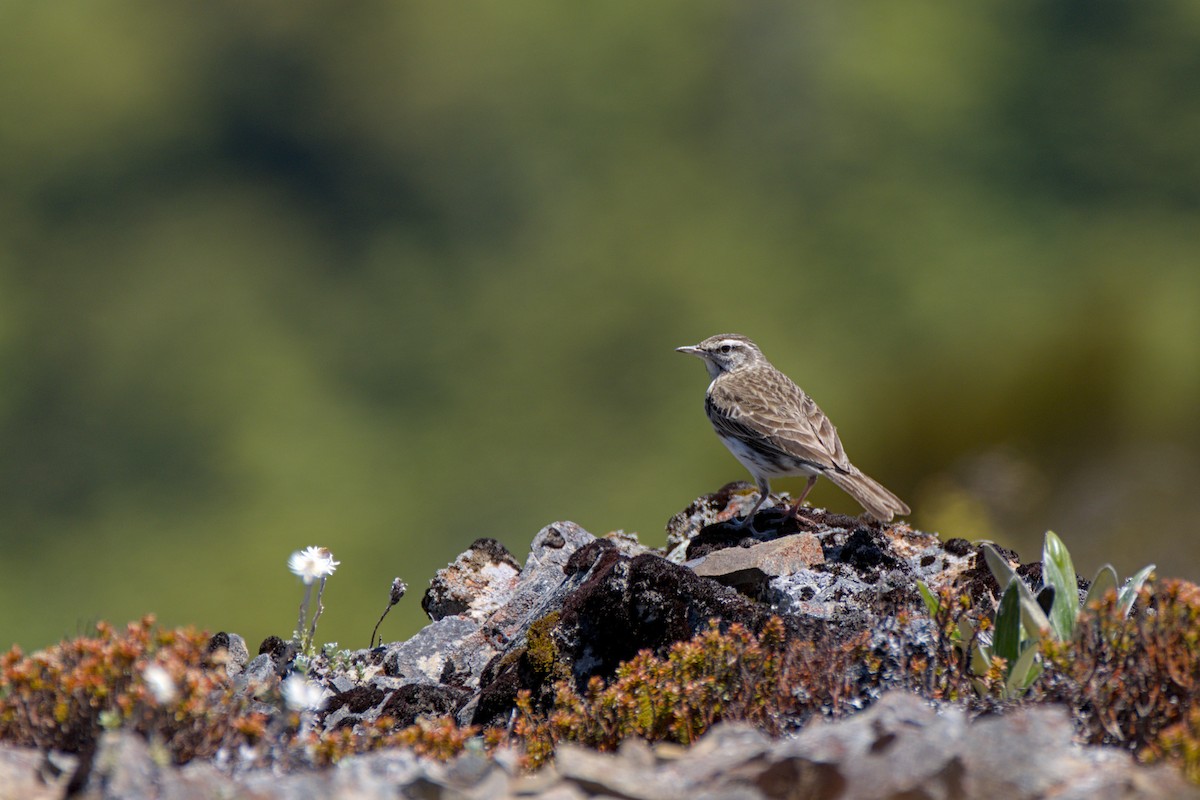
<point x="726" y="348"/>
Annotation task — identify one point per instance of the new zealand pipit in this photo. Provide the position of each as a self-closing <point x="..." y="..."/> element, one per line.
<point x="775" y="429"/>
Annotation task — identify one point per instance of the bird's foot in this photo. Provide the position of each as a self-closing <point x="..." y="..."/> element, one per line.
<point x="747" y="522"/>
<point x="796" y="513"/>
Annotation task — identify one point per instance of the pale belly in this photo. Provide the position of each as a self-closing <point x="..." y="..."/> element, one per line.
<point x="765" y="466"/>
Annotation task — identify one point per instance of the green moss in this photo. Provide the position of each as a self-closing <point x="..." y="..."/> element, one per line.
<point x="541" y="651"/>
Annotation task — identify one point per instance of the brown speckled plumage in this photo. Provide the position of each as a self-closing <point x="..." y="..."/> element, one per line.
<point x="775" y="429"/>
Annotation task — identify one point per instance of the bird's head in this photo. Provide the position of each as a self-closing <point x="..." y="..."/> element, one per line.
<point x="726" y="352"/>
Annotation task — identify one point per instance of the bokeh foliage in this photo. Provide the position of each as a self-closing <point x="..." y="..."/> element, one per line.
<point x="386" y="277"/>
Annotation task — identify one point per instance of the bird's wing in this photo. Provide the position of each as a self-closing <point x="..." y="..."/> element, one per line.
<point x="773" y="413"/>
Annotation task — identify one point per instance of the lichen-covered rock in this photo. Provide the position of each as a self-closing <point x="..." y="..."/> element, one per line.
<point x="474" y="585"/>
<point x="451" y="646"/>
<point x="617" y="606"/>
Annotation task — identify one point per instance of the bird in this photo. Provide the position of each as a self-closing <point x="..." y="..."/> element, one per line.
<point x="776" y="430"/>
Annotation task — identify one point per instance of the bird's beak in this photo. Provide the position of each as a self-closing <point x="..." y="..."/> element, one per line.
<point x="691" y="350"/>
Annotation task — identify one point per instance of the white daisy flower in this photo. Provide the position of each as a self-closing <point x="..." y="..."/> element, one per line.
<point x="312" y="564"/>
<point x="160" y="684"/>
<point x="301" y="694"/>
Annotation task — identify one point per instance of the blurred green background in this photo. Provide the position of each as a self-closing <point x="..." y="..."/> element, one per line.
<point x="387" y="277"/>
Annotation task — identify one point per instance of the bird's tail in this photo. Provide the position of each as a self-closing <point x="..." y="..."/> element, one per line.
<point x="870" y="494"/>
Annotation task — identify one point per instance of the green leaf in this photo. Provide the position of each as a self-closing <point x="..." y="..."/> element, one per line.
<point x="1036" y="622"/>
<point x="960" y="637"/>
<point x="1023" y="672"/>
<point x="1129" y="592"/>
<point x="1006" y="641"/>
<point x="1001" y="571"/>
<point x="981" y="658"/>
<point x="1106" y="578"/>
<point x="931" y="602"/>
<point x="1032" y="617"/>
<point x="1059" y="572"/>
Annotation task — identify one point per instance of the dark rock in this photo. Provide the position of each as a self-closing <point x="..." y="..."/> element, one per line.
<point x="958" y="547"/>
<point x="627" y="605"/>
<point x="422" y="700"/>
<point x="867" y="551"/>
<point x="977" y="580"/>
<point x="586" y="557"/>
<point x="357" y="700"/>
<point x="281" y="653"/>
<point x="616" y="606"/>
<point x="720" y="537"/>
<point x="475" y="584"/>
<point x="728" y="504"/>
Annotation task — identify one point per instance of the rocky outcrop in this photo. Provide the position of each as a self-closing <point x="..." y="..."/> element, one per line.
<point x="580" y="605"/>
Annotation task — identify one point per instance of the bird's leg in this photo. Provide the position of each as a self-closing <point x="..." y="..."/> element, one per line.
<point x="794" y="508"/>
<point x="764" y="489"/>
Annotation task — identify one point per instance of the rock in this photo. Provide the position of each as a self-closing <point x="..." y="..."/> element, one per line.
<point x="25" y="773"/>
<point x="577" y="608"/>
<point x="342" y="683"/>
<point x="228" y="649"/>
<point x="415" y="700"/>
<point x="630" y="604"/>
<point x="123" y="767"/>
<point x="474" y="585"/>
<point x="451" y="645"/>
<point x="749" y="569"/>
<point x="902" y="747"/>
<point x="606" y="608"/>
<point x="627" y="543"/>
<point x="543" y="582"/>
<point x="619" y="776"/>
<point x="732" y="501"/>
<point x="282" y="653"/>
<point x="393" y="768"/>
<point x="258" y="676"/>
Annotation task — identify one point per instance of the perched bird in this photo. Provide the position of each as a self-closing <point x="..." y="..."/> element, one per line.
<point x="775" y="429"/>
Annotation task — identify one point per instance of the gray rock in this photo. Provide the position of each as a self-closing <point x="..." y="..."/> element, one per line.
<point x="24" y="773"/>
<point x="450" y="644"/>
<point x="123" y="767"/>
<point x="627" y="543"/>
<point x="471" y="776"/>
<point x="258" y="675"/>
<point x="619" y="775"/>
<point x="903" y="748"/>
<point x="395" y="767"/>
<point x="342" y="683"/>
<point x="543" y="582"/>
<point x="473" y="585"/>
<point x="229" y="649"/>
